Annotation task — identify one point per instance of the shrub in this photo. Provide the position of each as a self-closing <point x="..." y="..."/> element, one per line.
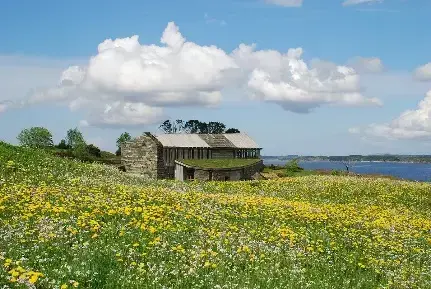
<point x="336" y="173"/>
<point x="94" y="151"/>
<point x="292" y="167"/>
<point x="62" y="145"/>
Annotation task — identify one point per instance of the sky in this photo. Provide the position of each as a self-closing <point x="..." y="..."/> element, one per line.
<point x="307" y="77"/>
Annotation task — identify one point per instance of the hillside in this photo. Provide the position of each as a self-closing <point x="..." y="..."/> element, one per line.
<point x="65" y="224"/>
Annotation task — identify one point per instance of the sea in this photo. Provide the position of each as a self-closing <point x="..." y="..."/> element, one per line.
<point x="409" y="171"/>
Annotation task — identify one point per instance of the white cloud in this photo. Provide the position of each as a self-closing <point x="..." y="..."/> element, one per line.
<point x="127" y="114"/>
<point x="286" y="3"/>
<point x="366" y="64"/>
<point x="423" y="73"/>
<point x="127" y="83"/>
<point x="287" y="80"/>
<point x="134" y="80"/>
<point x="356" y="2"/>
<point x="411" y="124"/>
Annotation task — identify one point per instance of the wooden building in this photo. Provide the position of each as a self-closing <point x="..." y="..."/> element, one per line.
<point x="154" y="155"/>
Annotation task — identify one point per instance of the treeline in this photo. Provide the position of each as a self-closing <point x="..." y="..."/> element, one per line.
<point x="72" y="146"/>
<point x="195" y="126"/>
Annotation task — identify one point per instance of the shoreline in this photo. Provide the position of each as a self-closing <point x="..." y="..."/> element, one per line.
<point x="329" y="161"/>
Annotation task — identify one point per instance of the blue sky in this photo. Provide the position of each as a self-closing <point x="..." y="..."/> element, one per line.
<point x="363" y="88"/>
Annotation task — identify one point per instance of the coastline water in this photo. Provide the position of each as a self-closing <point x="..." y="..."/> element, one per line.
<point x="403" y="170"/>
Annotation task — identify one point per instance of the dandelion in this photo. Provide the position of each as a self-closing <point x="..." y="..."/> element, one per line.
<point x="94" y="223"/>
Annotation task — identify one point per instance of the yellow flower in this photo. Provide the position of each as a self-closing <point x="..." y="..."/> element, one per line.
<point x="33" y="279"/>
<point x="64" y="286"/>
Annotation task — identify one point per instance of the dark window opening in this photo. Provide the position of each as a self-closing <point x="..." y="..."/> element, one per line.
<point x="190" y="174"/>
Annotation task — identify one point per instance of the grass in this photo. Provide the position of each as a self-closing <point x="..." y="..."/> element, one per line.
<point x="220" y="163"/>
<point x="66" y="224"/>
<point x="277" y="172"/>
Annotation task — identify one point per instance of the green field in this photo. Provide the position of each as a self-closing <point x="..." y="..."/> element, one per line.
<point x="66" y="224"/>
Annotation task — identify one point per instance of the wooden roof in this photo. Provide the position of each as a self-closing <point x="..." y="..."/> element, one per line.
<point x="235" y="140"/>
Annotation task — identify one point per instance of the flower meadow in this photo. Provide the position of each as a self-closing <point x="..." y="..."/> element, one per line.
<point x="65" y="224"/>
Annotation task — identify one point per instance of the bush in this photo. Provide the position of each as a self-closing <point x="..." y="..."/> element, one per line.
<point x="292" y="167"/>
<point x="62" y="145"/>
<point x="94" y="151"/>
<point x="337" y="173"/>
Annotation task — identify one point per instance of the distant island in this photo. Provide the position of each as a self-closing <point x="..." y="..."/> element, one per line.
<point x="357" y="158"/>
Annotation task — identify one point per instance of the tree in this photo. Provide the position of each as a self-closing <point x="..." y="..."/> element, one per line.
<point x="215" y="127"/>
<point x="62" y="145"/>
<point x="36" y="137"/>
<point x="94" y="151"/>
<point x="166" y="126"/>
<point x="124" y="137"/>
<point x="192" y="126"/>
<point x="179" y="126"/>
<point x="74" y="138"/>
<point x="232" y="130"/>
<point x="202" y="127"/>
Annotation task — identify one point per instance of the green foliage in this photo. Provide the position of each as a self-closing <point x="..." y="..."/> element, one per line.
<point x="63" y="145"/>
<point x="232" y="130"/>
<point x="75" y="139"/>
<point x="172" y="126"/>
<point x="124" y="137"/>
<point x="215" y="127"/>
<point x="292" y="167"/>
<point x="192" y="126"/>
<point x="337" y="173"/>
<point x="35" y="137"/>
<point x="195" y="126"/>
<point x="94" y="151"/>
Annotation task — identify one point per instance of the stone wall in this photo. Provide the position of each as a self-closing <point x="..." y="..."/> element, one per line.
<point x="234" y="175"/>
<point x="143" y="156"/>
<point x="202" y="175"/>
<point x="248" y="172"/>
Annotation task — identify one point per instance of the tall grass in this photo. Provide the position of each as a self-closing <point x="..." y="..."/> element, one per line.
<point x="65" y="224"/>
